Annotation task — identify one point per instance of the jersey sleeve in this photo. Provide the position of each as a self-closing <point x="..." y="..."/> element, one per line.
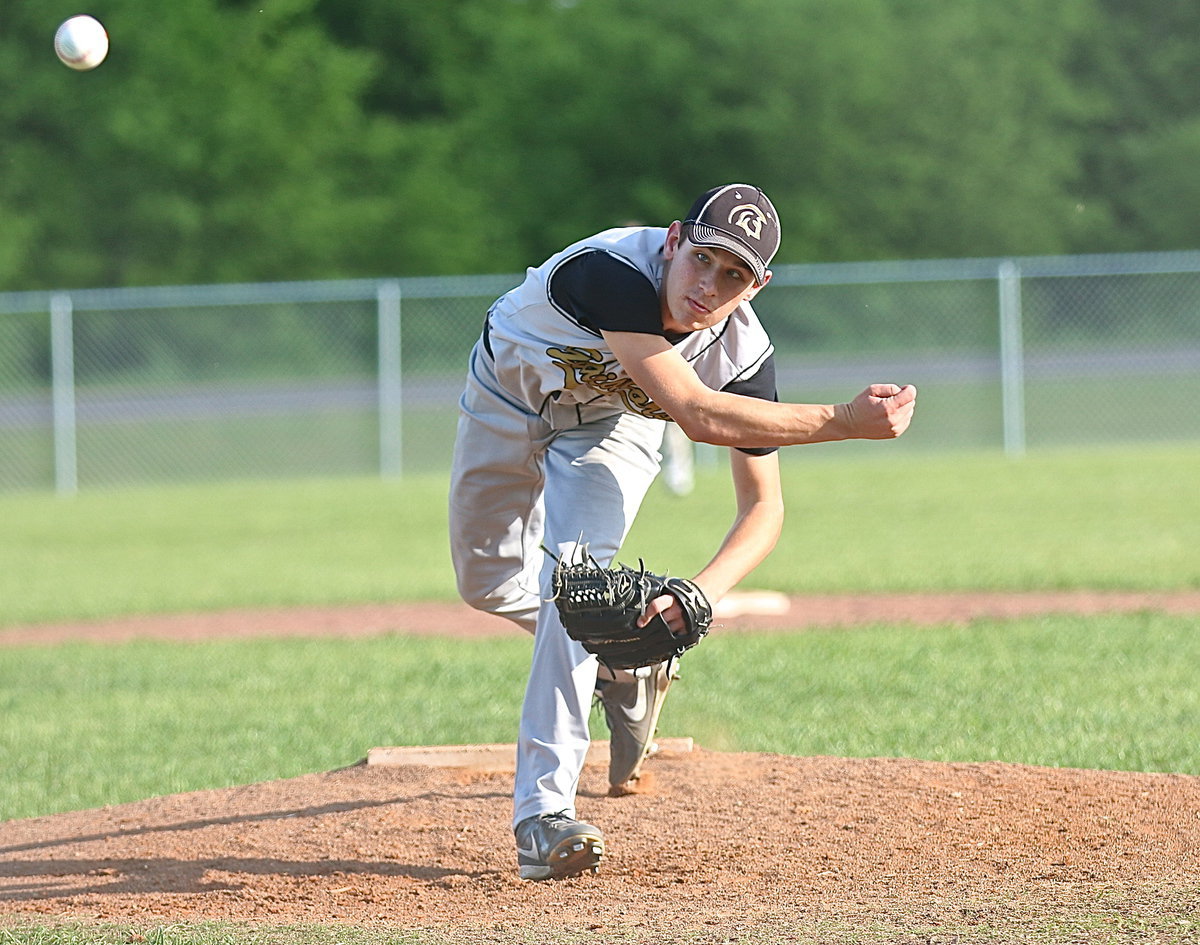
<point x="761" y="385"/>
<point x="602" y="293"/>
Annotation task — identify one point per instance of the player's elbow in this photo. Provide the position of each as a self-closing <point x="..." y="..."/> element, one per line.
<point x="699" y="433"/>
<point x="775" y="514"/>
<point x="725" y="419"/>
<point x="701" y="426"/>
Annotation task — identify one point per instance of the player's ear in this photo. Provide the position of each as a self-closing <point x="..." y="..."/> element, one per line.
<point x="760" y="287"/>
<point x="674" y="238"/>
<point x="754" y="290"/>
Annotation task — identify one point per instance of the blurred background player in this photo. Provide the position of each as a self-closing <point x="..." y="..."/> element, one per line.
<point x="679" y="461"/>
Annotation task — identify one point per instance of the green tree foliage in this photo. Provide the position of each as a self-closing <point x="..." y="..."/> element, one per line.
<point x="960" y="134"/>
<point x="219" y="142"/>
<point x="1141" y="154"/>
<point x="198" y="151"/>
<point x="230" y="140"/>
<point x="908" y="128"/>
<point x="882" y="127"/>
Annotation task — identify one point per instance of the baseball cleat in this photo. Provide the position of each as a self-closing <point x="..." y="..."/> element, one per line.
<point x="632" y="701"/>
<point x="554" y="846"/>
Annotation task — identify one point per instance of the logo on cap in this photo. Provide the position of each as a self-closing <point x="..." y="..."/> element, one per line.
<point x="749" y="218"/>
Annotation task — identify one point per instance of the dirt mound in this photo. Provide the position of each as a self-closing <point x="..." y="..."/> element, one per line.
<point x="718" y="842"/>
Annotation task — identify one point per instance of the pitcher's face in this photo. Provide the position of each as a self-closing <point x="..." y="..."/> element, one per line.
<point x="702" y="285"/>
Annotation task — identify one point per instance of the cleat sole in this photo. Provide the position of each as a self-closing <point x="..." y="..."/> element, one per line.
<point x="575" y="856"/>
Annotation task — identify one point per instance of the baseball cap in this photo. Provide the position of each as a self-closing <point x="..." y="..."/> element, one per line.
<point x="738" y="218"/>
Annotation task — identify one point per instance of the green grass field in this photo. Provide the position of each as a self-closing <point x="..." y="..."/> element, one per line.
<point x="1097" y="519"/>
<point x="84" y="725"/>
<point x="856" y="522"/>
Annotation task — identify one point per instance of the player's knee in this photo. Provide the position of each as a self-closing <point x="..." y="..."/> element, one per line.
<point x="475" y="595"/>
<point x="520" y="608"/>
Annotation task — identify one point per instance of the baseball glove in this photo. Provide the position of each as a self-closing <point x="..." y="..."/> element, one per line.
<point x="600" y="607"/>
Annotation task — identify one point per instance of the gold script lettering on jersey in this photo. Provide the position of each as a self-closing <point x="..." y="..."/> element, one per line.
<point x="585" y="367"/>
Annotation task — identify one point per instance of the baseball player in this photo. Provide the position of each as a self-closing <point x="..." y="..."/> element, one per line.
<point x="569" y="389"/>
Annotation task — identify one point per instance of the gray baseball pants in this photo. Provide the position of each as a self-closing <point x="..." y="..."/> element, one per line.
<point x="519" y="480"/>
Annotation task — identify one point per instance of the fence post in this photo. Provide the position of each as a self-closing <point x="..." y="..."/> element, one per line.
<point x="62" y="393"/>
<point x="1012" y="359"/>
<point x="391" y="432"/>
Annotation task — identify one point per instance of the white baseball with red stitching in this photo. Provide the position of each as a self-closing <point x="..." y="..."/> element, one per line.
<point x="81" y="42"/>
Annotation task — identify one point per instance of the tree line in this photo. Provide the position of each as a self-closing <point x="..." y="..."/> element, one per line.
<point x="256" y="140"/>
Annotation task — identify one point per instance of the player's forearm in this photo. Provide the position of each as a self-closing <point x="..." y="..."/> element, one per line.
<point x="731" y="420"/>
<point x="881" y="412"/>
<point x="748" y="542"/>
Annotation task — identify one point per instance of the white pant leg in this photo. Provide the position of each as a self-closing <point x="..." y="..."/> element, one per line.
<point x="496" y="509"/>
<point x="596" y="477"/>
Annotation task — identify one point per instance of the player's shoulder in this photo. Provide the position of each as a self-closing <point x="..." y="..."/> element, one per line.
<point x="636" y="245"/>
<point x="611" y="262"/>
<point x="602" y="292"/>
<point x="594" y="268"/>
<point x="744" y="323"/>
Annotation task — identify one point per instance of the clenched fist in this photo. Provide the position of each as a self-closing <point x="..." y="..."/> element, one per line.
<point x="881" y="412"/>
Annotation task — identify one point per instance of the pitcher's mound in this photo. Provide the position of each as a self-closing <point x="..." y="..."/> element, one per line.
<point x="777" y="844"/>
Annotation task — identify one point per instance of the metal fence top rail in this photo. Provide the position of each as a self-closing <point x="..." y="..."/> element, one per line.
<point x="951" y="270"/>
<point x="257" y="293"/>
<point x="794" y="274"/>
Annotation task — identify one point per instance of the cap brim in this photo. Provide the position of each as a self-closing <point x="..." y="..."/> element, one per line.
<point x="704" y="235"/>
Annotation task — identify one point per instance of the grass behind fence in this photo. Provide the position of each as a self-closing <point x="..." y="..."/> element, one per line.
<point x="1116" y="519"/>
<point x="1127" y="519"/>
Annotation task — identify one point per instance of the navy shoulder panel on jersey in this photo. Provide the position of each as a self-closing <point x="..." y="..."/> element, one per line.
<point x="604" y="294"/>
<point x="761" y="385"/>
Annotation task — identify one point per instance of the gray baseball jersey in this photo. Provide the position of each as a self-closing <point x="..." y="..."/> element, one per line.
<point x="551" y="325"/>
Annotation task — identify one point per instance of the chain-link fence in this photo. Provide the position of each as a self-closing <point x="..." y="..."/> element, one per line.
<point x="116" y="386"/>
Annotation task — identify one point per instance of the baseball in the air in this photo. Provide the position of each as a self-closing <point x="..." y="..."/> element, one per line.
<point x="81" y="42"/>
